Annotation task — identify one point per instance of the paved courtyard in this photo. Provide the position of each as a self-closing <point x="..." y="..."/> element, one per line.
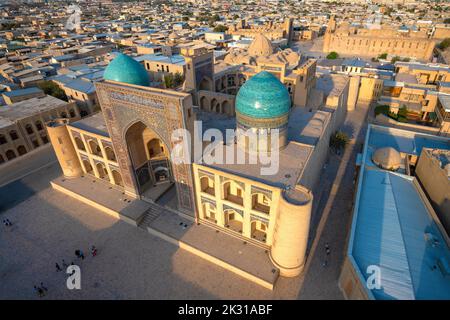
<point x="132" y="264"/>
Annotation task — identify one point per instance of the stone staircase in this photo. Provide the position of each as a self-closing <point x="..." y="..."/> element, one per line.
<point x="152" y="213"/>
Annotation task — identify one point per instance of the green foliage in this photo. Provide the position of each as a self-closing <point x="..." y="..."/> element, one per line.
<point x="173" y="81"/>
<point x="397" y="58"/>
<point x="383" y="56"/>
<point x="402" y="112"/>
<point x="382" y="109"/>
<point x="220" y="28"/>
<point x="332" y="55"/>
<point x="444" y="44"/>
<point x="338" y="140"/>
<point x="447" y="20"/>
<point x="52" y="89"/>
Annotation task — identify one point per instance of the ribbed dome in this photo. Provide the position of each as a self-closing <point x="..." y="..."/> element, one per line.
<point x="260" y="46"/>
<point x="387" y="158"/>
<point x="125" y="69"/>
<point x="263" y="96"/>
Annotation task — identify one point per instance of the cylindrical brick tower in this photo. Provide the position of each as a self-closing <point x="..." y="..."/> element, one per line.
<point x="64" y="149"/>
<point x="288" y="251"/>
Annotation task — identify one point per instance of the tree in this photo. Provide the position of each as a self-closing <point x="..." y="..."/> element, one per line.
<point x="402" y="112"/>
<point x="220" y="28"/>
<point x="338" y="141"/>
<point x="382" y="56"/>
<point x="395" y="59"/>
<point x="333" y="55"/>
<point x="444" y="44"/>
<point x="447" y="20"/>
<point x="173" y="81"/>
<point x="52" y="89"/>
<point x="382" y="109"/>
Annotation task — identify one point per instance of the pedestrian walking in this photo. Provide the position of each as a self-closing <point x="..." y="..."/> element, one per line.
<point x="93" y="251"/>
<point x="64" y="263"/>
<point x="58" y="268"/>
<point x="328" y="252"/>
<point x="5" y="222"/>
<point x="81" y="254"/>
<point x="43" y="287"/>
<point x="8" y="222"/>
<point x="36" y="290"/>
<point x="77" y="253"/>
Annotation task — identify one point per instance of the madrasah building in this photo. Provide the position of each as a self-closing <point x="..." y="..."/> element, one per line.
<point x="122" y="156"/>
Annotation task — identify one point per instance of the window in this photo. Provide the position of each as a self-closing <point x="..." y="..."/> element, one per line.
<point x="44" y="139"/>
<point x="2" y="139"/>
<point x="29" y="129"/>
<point x="72" y="113"/>
<point x="35" y="143"/>
<point x="21" y="150"/>
<point x="79" y="143"/>
<point x="39" y="125"/>
<point x="63" y="115"/>
<point x="10" y="155"/>
<point x="13" y="135"/>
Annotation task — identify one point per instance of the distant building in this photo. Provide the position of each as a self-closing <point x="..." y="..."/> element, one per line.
<point x="15" y="96"/>
<point x="22" y="124"/>
<point x="349" y="40"/>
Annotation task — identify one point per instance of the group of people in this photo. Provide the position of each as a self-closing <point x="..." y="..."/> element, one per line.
<point x="79" y="254"/>
<point x="7" y="223"/>
<point x="42" y="290"/>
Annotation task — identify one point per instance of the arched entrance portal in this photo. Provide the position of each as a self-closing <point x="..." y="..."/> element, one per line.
<point x="150" y="158"/>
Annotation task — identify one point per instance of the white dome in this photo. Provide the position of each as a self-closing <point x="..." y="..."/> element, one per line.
<point x="387" y="158"/>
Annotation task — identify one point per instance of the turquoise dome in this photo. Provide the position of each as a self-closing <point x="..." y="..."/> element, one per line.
<point x="263" y="96"/>
<point x="125" y="69"/>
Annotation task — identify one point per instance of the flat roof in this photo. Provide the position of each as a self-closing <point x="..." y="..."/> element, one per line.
<point x="445" y="101"/>
<point x="22" y="92"/>
<point x="175" y="59"/>
<point x="81" y="85"/>
<point x="94" y="124"/>
<point x="393" y="226"/>
<point x="28" y="108"/>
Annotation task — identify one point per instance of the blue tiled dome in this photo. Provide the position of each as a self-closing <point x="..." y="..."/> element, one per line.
<point x="263" y="96"/>
<point x="125" y="69"/>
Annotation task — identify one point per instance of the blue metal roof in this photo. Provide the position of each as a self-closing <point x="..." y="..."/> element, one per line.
<point x="22" y="92"/>
<point x="263" y="96"/>
<point x="392" y="226"/>
<point x="81" y="86"/>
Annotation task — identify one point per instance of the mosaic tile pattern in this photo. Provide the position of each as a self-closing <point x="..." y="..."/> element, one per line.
<point x="125" y="69"/>
<point x="263" y="96"/>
